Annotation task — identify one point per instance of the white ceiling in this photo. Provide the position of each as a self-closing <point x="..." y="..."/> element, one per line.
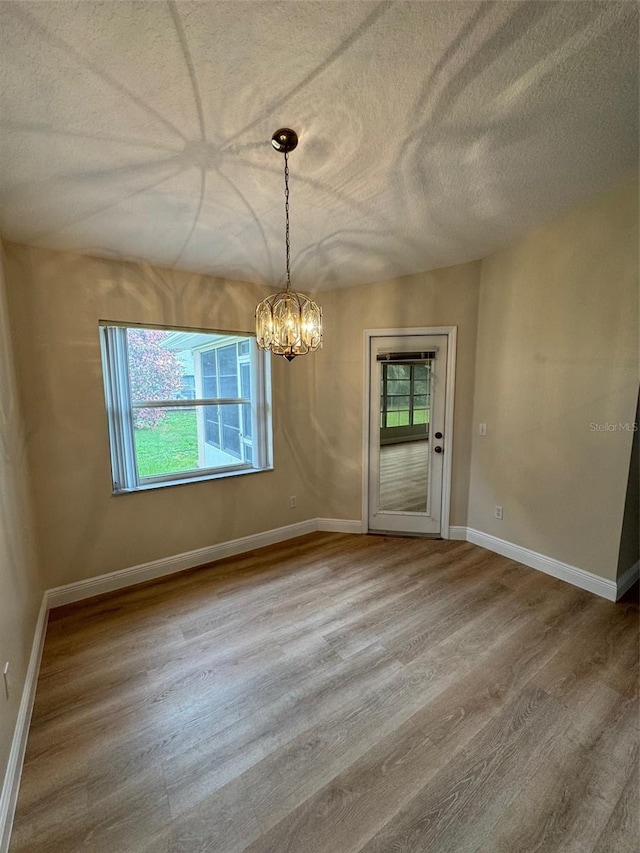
<point x="431" y="133"/>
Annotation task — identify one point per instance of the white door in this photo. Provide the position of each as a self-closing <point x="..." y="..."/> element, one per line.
<point x="407" y="440"/>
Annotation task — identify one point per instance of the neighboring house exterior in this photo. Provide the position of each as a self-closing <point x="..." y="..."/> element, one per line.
<point x="219" y="371"/>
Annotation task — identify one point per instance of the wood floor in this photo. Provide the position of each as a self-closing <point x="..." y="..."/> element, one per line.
<point x="338" y="694"/>
<point x="404" y="476"/>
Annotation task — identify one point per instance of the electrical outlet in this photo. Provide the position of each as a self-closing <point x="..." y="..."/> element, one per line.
<point x="482" y="429"/>
<point x="498" y="512"/>
<point x="5" y="676"/>
<point x="293" y="501"/>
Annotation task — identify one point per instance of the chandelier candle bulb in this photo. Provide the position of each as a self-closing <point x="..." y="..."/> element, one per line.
<point x="288" y="323"/>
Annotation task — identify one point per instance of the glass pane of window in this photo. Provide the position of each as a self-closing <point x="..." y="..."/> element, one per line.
<point x="155" y="372"/>
<point x="398" y="386"/>
<point x="421" y="387"/>
<point x="227" y="359"/>
<point x="397" y="418"/>
<point x="245" y="380"/>
<point x="188" y="390"/>
<point x="246" y="421"/>
<point x="420" y="402"/>
<point x="230" y="420"/>
<point x="230" y="416"/>
<point x="209" y="374"/>
<point x="398" y="371"/>
<point x="420" y="372"/>
<point x="181" y="366"/>
<point x="397" y="403"/>
<point x="212" y="426"/>
<point x="166" y="441"/>
<point x="228" y="371"/>
<point x="223" y="437"/>
<point x="245" y="391"/>
<point x="231" y="441"/>
<point x="420" y="416"/>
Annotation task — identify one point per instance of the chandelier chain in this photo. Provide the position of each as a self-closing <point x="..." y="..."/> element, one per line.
<point x="288" y="323"/>
<point x="286" y="216"/>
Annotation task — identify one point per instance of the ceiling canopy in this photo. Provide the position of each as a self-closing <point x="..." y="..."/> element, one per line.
<point x="431" y="133"/>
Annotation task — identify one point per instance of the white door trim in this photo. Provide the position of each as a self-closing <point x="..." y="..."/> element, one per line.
<point x="451" y="332"/>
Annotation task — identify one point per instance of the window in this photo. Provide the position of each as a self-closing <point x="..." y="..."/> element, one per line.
<point x="184" y="405"/>
<point x="404" y="394"/>
<point x="405" y="401"/>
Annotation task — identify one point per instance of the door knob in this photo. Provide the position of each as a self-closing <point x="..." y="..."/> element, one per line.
<point x="437" y="448"/>
<point x="438" y="435"/>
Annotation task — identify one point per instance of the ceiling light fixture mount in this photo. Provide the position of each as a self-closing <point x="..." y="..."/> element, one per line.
<point x="288" y="323"/>
<point x="285" y="140"/>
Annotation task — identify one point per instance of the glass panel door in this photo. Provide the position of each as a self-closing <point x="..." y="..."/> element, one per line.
<point x="404" y="433"/>
<point x="406" y="412"/>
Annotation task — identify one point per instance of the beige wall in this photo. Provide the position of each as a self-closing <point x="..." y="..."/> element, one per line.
<point x="557" y="352"/>
<point x="20" y="585"/>
<point x="447" y="297"/>
<point x="56" y="301"/>
<point x="630" y="538"/>
<point x="547" y="331"/>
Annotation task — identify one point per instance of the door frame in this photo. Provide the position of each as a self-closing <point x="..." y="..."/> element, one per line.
<point x="451" y="332"/>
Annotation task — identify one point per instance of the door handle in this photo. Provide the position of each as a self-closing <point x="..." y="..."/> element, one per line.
<point x="438" y="435"/>
<point x="437" y="448"/>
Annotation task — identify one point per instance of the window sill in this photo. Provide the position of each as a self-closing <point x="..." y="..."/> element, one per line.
<point x="183" y="481"/>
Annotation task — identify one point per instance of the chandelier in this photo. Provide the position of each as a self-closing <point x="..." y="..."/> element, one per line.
<point x="288" y="323"/>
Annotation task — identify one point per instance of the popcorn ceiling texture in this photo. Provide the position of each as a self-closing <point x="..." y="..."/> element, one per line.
<point x="431" y="133"/>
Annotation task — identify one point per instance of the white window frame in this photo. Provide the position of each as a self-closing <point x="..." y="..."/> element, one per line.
<point x="120" y="410"/>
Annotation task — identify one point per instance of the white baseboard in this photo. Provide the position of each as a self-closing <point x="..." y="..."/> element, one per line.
<point x="571" y="574"/>
<point x="9" y="796"/>
<point x="80" y="590"/>
<point x="123" y="578"/>
<point x="458" y="533"/>
<point x="170" y="565"/>
<point x="340" y="525"/>
<point x="628" y="578"/>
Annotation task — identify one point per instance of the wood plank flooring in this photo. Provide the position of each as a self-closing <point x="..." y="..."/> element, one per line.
<point x="404" y="476"/>
<point x="337" y="694"/>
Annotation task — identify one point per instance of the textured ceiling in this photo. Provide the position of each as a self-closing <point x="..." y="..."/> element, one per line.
<point x="431" y="133"/>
